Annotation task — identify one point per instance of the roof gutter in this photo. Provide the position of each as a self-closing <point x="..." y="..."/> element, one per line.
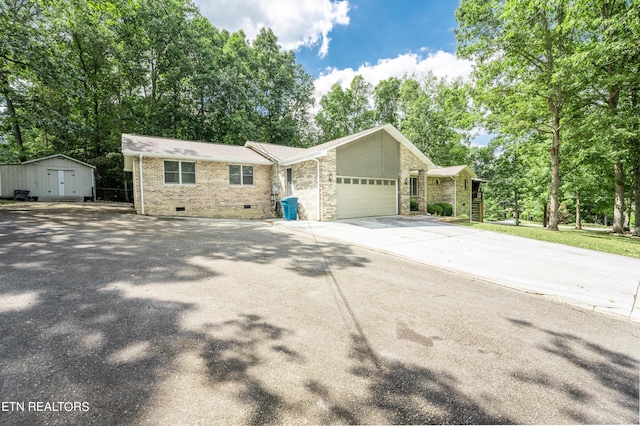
<point x="305" y="157"/>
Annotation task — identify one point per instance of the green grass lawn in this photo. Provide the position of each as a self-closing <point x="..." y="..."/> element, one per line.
<point x="594" y="240"/>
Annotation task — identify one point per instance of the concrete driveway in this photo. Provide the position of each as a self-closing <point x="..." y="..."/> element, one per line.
<point x="603" y="282"/>
<point x="107" y="317"/>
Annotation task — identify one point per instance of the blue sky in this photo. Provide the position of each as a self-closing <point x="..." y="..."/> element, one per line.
<point x="335" y="40"/>
<point x="380" y="29"/>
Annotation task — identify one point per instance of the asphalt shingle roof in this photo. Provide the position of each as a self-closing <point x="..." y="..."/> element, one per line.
<point x="170" y="148"/>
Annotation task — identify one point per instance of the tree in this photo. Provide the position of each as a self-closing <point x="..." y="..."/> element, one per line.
<point x="283" y="91"/>
<point x="386" y="100"/>
<point x="610" y="55"/>
<point x="344" y="112"/>
<point x="434" y="117"/>
<point x="523" y="51"/>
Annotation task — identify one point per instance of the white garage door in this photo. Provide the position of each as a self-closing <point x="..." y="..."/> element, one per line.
<point x="362" y="197"/>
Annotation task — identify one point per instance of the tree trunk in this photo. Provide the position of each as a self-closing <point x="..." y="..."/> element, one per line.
<point x="544" y="215"/>
<point x="627" y="213"/>
<point x="517" y="208"/>
<point x="618" y="207"/>
<point x="636" y="190"/>
<point x="578" y="217"/>
<point x="554" y="204"/>
<point x="13" y="117"/>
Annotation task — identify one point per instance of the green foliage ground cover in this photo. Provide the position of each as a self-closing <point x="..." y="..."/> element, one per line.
<point x="594" y="240"/>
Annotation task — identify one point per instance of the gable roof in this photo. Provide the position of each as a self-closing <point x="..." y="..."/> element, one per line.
<point x="449" y="171"/>
<point x="322" y="149"/>
<point x="134" y="145"/>
<point x="274" y="152"/>
<point x="251" y="152"/>
<point x="35" y="160"/>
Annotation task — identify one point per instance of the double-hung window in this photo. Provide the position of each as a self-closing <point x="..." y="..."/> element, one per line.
<point x="413" y="182"/>
<point x="180" y="172"/>
<point x="240" y="175"/>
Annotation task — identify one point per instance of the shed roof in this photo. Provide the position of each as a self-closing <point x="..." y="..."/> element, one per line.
<point x="449" y="171"/>
<point x="134" y="145"/>
<point x="35" y="160"/>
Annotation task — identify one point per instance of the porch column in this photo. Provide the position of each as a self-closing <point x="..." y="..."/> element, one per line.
<point x="422" y="180"/>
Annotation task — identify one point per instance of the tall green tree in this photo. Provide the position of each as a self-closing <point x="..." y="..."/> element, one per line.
<point x="386" y="100"/>
<point x="610" y="57"/>
<point x="435" y="118"/>
<point x="523" y="51"/>
<point x="344" y="112"/>
<point x="283" y="91"/>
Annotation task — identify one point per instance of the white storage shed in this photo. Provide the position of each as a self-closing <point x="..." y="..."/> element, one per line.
<point x="53" y="178"/>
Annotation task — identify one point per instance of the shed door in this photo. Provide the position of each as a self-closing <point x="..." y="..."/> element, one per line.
<point x="61" y="183"/>
<point x="363" y="197"/>
<point x="56" y="186"/>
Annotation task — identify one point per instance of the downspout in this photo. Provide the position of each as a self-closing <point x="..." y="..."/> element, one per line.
<point x="318" y="188"/>
<point x="455" y="196"/>
<point x="141" y="186"/>
<point x="275" y="189"/>
<point x="93" y="183"/>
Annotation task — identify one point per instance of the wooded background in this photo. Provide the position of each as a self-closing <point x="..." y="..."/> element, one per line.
<point x="556" y="81"/>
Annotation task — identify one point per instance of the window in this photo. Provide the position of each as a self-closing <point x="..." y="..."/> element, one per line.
<point x="338" y="180"/>
<point x="413" y="183"/>
<point x="240" y="175"/>
<point x="180" y="172"/>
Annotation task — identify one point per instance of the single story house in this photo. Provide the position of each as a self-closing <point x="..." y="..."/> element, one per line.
<point x="53" y="178"/>
<point x="375" y="172"/>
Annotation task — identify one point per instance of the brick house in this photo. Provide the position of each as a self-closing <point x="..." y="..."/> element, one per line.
<point x="375" y="172"/>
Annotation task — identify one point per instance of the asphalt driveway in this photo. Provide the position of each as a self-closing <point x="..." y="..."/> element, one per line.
<point x="603" y="282"/>
<point x="111" y="318"/>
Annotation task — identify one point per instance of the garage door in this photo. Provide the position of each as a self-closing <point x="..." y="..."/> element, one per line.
<point x="362" y="197"/>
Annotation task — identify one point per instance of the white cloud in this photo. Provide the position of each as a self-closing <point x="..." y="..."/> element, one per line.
<point x="442" y="64"/>
<point x="297" y="23"/>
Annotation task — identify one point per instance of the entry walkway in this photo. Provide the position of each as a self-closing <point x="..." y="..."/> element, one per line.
<point x="598" y="281"/>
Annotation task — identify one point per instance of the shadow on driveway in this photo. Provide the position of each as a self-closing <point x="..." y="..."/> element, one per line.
<point x="165" y="321"/>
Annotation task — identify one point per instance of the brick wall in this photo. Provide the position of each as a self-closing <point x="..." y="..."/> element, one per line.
<point x="304" y="187"/>
<point x="211" y="196"/>
<point x="463" y="195"/>
<point x="408" y="162"/>
<point x="452" y="191"/>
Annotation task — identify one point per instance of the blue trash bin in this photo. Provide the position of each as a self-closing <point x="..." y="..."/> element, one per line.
<point x="289" y="208"/>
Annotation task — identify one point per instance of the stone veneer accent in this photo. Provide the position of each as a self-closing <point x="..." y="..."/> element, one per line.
<point x="211" y="196"/>
<point x="409" y="162"/>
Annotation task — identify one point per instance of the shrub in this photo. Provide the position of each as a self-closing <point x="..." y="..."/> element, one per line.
<point x="434" y="209"/>
<point x="447" y="209"/>
<point x="414" y="206"/>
